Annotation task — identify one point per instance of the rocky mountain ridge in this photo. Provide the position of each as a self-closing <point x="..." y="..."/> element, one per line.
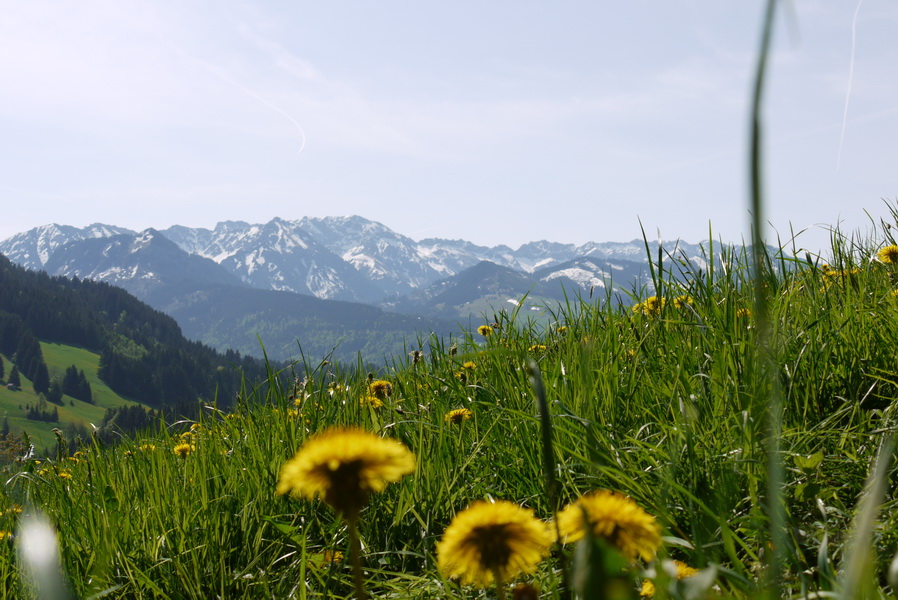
<point x="335" y="258"/>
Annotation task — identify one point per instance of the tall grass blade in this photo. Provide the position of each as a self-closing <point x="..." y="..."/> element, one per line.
<point x="859" y="578"/>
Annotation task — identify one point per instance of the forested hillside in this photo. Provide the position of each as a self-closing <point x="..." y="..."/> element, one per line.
<point x="143" y="354"/>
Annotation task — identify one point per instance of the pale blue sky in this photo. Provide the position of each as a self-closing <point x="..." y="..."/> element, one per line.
<point x="498" y="122"/>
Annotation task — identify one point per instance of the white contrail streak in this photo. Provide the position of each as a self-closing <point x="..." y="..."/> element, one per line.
<point x="857" y="10"/>
<point x="221" y="73"/>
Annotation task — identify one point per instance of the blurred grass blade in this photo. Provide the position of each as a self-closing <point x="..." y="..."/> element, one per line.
<point x="39" y="556"/>
<point x="858" y="577"/>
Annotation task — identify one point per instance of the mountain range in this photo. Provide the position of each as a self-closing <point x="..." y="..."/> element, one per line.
<point x="316" y="284"/>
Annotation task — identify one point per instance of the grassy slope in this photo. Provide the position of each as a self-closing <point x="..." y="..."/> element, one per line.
<point x="58" y="358"/>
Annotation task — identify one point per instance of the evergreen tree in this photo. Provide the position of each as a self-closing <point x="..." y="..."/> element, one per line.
<point x="14" y="377"/>
<point x="41" y="380"/>
<point x="2" y="369"/>
<point x="54" y="394"/>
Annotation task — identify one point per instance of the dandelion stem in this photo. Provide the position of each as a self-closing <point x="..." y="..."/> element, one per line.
<point x="500" y="590"/>
<point x="355" y="555"/>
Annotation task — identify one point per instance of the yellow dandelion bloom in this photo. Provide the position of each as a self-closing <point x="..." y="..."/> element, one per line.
<point x="652" y="306"/>
<point x="146" y="447"/>
<point x="537" y="348"/>
<point x="458" y="415"/>
<point x="492" y="539"/>
<point x="65" y="474"/>
<point x="561" y="330"/>
<point x="183" y="450"/>
<point x="380" y="388"/>
<point x="616" y="519"/>
<point x="681" y="301"/>
<point x="344" y="466"/>
<point x="469" y="366"/>
<point x="743" y="313"/>
<point x="371" y="400"/>
<point x="888" y="255"/>
<point x="5" y="534"/>
<point x="485" y="330"/>
<point x="894" y="293"/>
<point x="331" y="556"/>
<point x="682" y="572"/>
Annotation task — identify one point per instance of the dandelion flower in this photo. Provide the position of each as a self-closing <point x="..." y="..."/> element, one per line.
<point x="469" y="366"/>
<point x="537" y="348"/>
<point x="380" y="388"/>
<point x="743" y="313"/>
<point x="652" y="306"/>
<point x="183" y="450"/>
<point x="682" y="572"/>
<point x="372" y="401"/>
<point x="344" y="466"/>
<point x="681" y="301"/>
<point x="616" y="519"/>
<point x="888" y="255"/>
<point x="485" y="330"/>
<point x="492" y="539"/>
<point x="458" y="415"/>
<point x="146" y="447"/>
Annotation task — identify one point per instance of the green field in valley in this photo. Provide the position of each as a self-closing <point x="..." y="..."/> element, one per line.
<point x="13" y="404"/>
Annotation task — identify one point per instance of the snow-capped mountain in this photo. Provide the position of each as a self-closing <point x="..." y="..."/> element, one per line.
<point x="33" y="248"/>
<point x="341" y="258"/>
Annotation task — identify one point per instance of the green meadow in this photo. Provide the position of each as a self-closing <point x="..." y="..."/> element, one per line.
<point x="72" y="412"/>
<point x="759" y="443"/>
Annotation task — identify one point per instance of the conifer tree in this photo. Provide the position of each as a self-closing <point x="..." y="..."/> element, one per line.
<point x="14" y="377"/>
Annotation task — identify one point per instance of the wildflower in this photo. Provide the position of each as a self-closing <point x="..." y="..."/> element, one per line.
<point x="417" y="356"/>
<point x="537" y="348"/>
<point x="682" y="572"/>
<point x="888" y="255"/>
<point x="681" y="301"/>
<point x="65" y="474"/>
<point x="146" y="447"/>
<point x="616" y="519"/>
<point x="458" y="416"/>
<point x="652" y="306"/>
<point x="344" y="466"/>
<point x="492" y="541"/>
<point x="561" y="330"/>
<point x="5" y="535"/>
<point x="371" y="400"/>
<point x="183" y="450"/>
<point x="470" y="365"/>
<point x="485" y="330"/>
<point x="894" y="293"/>
<point x="743" y="313"/>
<point x="195" y="427"/>
<point x="380" y="388"/>
<point x="331" y="556"/>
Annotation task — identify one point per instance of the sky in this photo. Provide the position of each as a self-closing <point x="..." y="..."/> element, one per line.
<point x="495" y="122"/>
